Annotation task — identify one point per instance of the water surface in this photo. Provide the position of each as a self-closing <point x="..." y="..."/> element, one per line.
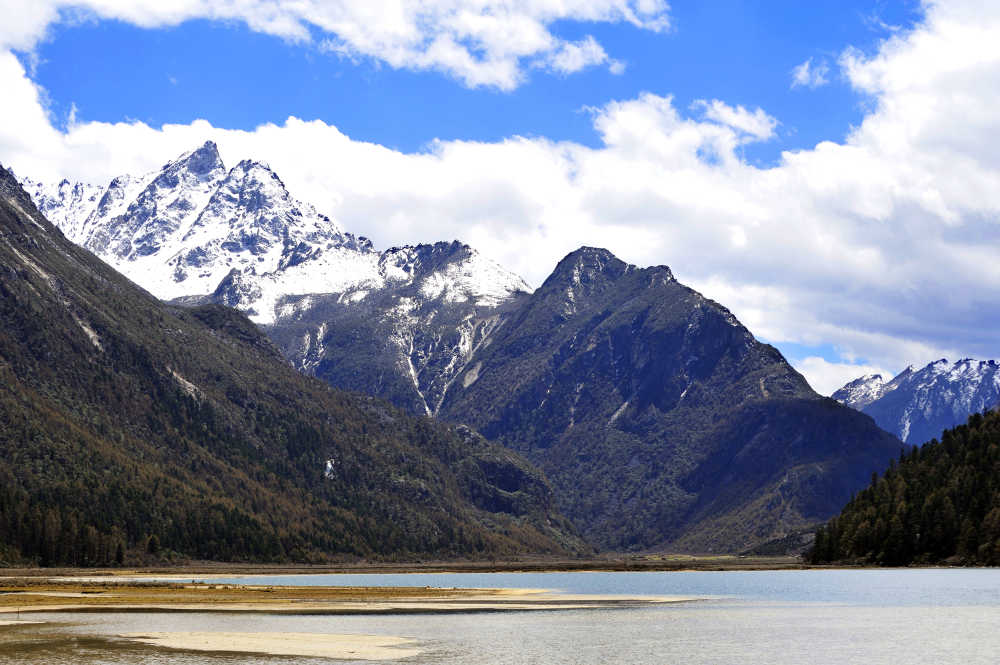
<point x="870" y="617"/>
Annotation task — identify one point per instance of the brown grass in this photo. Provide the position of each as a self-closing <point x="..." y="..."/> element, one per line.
<point x="33" y="593"/>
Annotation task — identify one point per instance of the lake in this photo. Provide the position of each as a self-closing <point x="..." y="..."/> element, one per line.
<point x="870" y="617"/>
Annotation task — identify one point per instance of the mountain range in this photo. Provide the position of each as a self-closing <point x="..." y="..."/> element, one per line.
<point x="918" y="404"/>
<point x="130" y="426"/>
<point x="659" y="419"/>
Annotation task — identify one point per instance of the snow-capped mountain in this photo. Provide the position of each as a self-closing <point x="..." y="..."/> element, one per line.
<point x="658" y="417"/>
<point x="196" y="231"/>
<point x="861" y="392"/>
<point x="918" y="404"/>
<point x="196" y="228"/>
<point x="181" y="231"/>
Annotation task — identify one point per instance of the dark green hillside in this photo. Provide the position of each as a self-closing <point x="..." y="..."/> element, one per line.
<point x="127" y="425"/>
<point x="941" y="502"/>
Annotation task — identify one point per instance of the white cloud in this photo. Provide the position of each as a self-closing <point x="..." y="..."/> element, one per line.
<point x="572" y="57"/>
<point x="480" y="42"/>
<point x="884" y="246"/>
<point x="810" y="75"/>
<point x="826" y="377"/>
<point x="756" y="124"/>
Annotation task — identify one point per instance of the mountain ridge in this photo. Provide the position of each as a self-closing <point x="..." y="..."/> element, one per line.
<point x="919" y="403"/>
<point x="126" y="419"/>
<point x="659" y="418"/>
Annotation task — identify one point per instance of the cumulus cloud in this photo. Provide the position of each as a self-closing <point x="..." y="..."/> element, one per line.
<point x="756" y="124"/>
<point x="572" y="57"/>
<point x="884" y="245"/>
<point x="480" y="42"/>
<point x="810" y="75"/>
<point x="826" y="377"/>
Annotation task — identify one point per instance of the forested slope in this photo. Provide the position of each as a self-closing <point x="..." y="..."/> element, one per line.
<point x="941" y="502"/>
<point x="129" y="426"/>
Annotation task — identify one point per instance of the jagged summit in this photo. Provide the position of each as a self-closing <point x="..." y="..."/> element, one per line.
<point x="203" y="160"/>
<point x="657" y="415"/>
<point x="861" y="392"/>
<point x="918" y="404"/>
<point x="199" y="229"/>
<point x="596" y="265"/>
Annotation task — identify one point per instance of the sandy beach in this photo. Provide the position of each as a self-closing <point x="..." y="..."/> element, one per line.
<point x="317" y="645"/>
<point x="28" y="595"/>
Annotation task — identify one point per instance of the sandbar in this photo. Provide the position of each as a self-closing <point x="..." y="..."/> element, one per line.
<point x="316" y="645"/>
<point x="49" y="596"/>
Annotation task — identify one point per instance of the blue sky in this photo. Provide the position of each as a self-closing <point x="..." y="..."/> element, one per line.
<point x="854" y="223"/>
<point x="739" y="51"/>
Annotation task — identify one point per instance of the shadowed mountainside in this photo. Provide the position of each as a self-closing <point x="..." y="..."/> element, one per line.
<point x="659" y="419"/>
<point x="129" y="425"/>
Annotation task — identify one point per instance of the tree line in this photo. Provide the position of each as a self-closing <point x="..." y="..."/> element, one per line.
<point x="939" y="503"/>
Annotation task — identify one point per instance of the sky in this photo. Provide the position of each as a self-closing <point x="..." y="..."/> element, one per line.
<point x="826" y="170"/>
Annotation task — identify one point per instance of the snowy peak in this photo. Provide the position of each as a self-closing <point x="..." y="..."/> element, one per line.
<point x="167" y="204"/>
<point x="180" y="231"/>
<point x="450" y="272"/>
<point x="253" y="200"/>
<point x="116" y="199"/>
<point x="65" y="204"/>
<point x="198" y="229"/>
<point x="204" y="162"/>
<point x="918" y="404"/>
<point x="861" y="392"/>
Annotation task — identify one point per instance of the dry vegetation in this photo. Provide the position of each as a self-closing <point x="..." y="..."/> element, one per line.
<point x="41" y="593"/>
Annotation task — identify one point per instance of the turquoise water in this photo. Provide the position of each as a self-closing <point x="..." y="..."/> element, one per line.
<point x="863" y="617"/>
<point x="910" y="587"/>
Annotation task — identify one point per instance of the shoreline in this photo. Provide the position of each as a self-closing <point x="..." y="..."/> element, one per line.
<point x="204" y="569"/>
<point x="36" y="596"/>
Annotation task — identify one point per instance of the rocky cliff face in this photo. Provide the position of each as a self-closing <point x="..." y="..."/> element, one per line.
<point x="918" y="404"/>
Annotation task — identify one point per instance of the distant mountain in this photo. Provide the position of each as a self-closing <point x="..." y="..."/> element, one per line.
<point x="861" y="392"/>
<point x="940" y="503"/>
<point x="130" y="426"/>
<point x="659" y="419"/>
<point x="918" y="404"/>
